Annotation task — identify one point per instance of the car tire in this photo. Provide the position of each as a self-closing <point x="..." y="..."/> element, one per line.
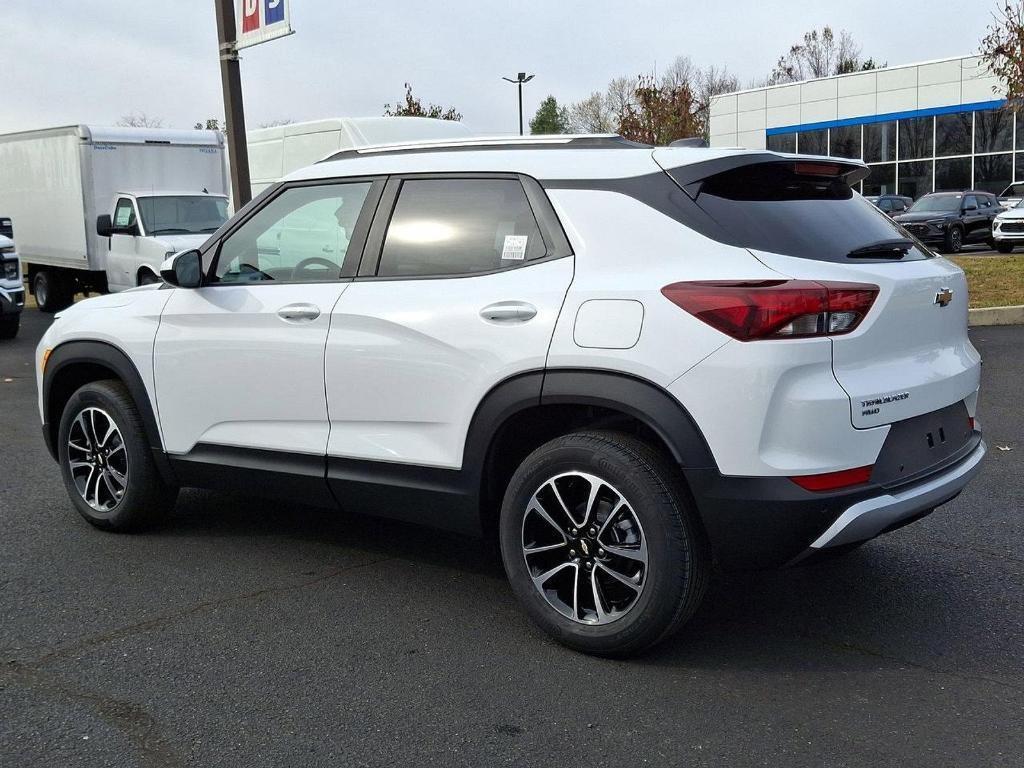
<point x="639" y="509"/>
<point x="954" y="240"/>
<point x="51" y="292"/>
<point x="106" y="461"/>
<point x="1004" y="247"/>
<point x="9" y="326"/>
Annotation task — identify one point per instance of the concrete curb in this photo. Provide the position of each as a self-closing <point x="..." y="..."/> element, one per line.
<point x="996" y="316"/>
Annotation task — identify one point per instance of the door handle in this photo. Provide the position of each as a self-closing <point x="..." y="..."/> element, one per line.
<point x="297" y="313"/>
<point x="508" y="312"/>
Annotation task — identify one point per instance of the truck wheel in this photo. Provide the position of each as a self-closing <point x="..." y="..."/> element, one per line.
<point x="51" y="292"/>
<point x="601" y="544"/>
<point x="1004" y="246"/>
<point x="106" y="461"/>
<point x="954" y="240"/>
<point x="9" y="326"/>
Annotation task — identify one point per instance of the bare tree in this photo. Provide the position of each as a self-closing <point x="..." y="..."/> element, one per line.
<point x="602" y="112"/>
<point x="820" y="54"/>
<point x="413" y="107"/>
<point x="1003" y="50"/>
<point x="140" y="120"/>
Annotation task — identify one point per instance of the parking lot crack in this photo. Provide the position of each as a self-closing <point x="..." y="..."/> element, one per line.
<point x="164" y="620"/>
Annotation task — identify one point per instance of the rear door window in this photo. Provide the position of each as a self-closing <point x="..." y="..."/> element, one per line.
<point x="459" y="226"/>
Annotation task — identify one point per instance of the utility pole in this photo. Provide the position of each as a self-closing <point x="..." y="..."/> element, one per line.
<point x="520" y="79"/>
<point x="234" y="113"/>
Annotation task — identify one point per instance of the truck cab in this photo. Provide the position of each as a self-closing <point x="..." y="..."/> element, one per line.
<point x="12" y="290"/>
<point x="144" y="228"/>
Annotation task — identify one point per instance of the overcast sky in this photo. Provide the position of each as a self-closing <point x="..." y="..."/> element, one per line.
<point x="68" y="61"/>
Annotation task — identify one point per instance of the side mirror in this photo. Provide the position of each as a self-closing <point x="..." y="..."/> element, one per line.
<point x="183" y="270"/>
<point x="106" y="228"/>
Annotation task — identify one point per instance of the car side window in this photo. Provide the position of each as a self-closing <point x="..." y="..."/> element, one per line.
<point x="885" y="205"/>
<point x="300" y="236"/>
<point x="124" y="213"/>
<point x="459" y="226"/>
<point x="970" y="200"/>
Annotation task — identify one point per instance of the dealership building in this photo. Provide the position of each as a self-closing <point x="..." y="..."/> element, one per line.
<point x="938" y="125"/>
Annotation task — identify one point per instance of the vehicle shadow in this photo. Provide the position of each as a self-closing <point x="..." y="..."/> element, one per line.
<point x="848" y="613"/>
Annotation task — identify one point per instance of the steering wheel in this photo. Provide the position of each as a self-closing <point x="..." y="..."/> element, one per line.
<point x="318" y="261"/>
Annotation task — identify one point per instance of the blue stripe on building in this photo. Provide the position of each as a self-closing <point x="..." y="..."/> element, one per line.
<point x="977" y="106"/>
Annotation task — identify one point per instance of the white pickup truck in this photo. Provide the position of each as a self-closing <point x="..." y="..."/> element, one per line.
<point x="99" y="209"/>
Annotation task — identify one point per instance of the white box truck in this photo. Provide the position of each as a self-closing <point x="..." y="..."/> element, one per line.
<point x="276" y="152"/>
<point x="99" y="209"/>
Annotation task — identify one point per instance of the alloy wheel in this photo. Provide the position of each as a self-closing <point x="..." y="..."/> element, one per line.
<point x="584" y="548"/>
<point x="98" y="459"/>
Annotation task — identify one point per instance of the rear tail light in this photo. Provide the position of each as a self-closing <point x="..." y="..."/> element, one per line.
<point x="833" y="481"/>
<point x="775" y="309"/>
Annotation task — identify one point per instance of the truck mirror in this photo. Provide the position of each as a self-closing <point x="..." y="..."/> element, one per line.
<point x="104" y="228"/>
<point x="183" y="270"/>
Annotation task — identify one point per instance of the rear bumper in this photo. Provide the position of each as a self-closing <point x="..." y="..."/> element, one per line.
<point x="770" y="521"/>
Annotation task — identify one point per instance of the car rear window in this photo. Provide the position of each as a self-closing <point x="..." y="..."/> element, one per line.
<point x="801" y="209"/>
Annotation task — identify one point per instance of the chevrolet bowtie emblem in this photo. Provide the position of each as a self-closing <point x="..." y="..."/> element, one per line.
<point x="943" y="297"/>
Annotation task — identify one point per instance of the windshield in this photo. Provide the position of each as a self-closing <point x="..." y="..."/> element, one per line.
<point x="183" y="215"/>
<point x="937" y="203"/>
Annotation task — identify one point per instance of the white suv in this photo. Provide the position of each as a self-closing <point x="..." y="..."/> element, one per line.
<point x="627" y="363"/>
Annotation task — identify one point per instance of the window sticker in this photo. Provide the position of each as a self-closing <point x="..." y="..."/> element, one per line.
<point x="514" y="248"/>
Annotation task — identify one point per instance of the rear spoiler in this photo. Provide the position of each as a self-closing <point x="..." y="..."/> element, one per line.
<point x="692" y="177"/>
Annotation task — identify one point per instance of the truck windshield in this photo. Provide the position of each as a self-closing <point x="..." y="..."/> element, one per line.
<point x="182" y="214"/>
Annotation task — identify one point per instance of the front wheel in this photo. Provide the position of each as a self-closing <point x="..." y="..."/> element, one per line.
<point x="1004" y="246"/>
<point x="600" y="543"/>
<point x="106" y="461"/>
<point x="954" y="240"/>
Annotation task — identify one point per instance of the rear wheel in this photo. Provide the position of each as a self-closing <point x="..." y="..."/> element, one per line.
<point x="52" y="291"/>
<point x="954" y="240"/>
<point x="9" y="326"/>
<point x="1004" y="246"/>
<point x="600" y="544"/>
<point x="106" y="461"/>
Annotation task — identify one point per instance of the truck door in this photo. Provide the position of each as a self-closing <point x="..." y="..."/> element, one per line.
<point x="122" y="256"/>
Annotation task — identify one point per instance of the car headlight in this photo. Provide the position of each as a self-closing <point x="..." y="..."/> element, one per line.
<point x="11" y="271"/>
<point x="940" y="223"/>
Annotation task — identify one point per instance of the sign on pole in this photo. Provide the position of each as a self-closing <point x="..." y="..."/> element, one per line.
<point x="262" y="20"/>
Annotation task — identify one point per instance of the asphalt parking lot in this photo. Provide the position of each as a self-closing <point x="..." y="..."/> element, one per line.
<point x="249" y="633"/>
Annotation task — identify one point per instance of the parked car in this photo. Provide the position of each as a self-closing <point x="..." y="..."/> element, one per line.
<point x="1012" y="195"/>
<point x="626" y="364"/>
<point x="12" y="289"/>
<point x="891" y="204"/>
<point x="1008" y="228"/>
<point x="951" y="220"/>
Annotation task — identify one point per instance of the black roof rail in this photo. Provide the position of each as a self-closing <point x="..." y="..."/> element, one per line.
<point x="468" y="145"/>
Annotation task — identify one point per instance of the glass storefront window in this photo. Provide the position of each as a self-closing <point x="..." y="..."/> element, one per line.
<point x="952" y="135"/>
<point x="880" y="142"/>
<point x="993" y="173"/>
<point x="881" y="180"/>
<point x="953" y="175"/>
<point x="845" y="141"/>
<point x="993" y="130"/>
<point x="915" y="138"/>
<point x="813" y="143"/>
<point x="915" y="178"/>
<point x="782" y="142"/>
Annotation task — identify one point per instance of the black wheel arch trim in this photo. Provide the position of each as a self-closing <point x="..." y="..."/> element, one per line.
<point x="106" y="355"/>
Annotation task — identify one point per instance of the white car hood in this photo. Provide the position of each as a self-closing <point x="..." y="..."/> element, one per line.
<point x="1013" y="213"/>
<point x="179" y="243"/>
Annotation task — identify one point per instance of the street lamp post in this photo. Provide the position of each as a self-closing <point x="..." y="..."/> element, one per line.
<point x="520" y="79"/>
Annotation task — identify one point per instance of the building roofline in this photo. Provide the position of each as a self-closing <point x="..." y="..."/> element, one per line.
<point x="846" y="74"/>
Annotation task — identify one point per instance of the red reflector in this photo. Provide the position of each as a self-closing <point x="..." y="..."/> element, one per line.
<point x="758" y="309"/>
<point x="831" y="481"/>
<point x="970" y="420"/>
